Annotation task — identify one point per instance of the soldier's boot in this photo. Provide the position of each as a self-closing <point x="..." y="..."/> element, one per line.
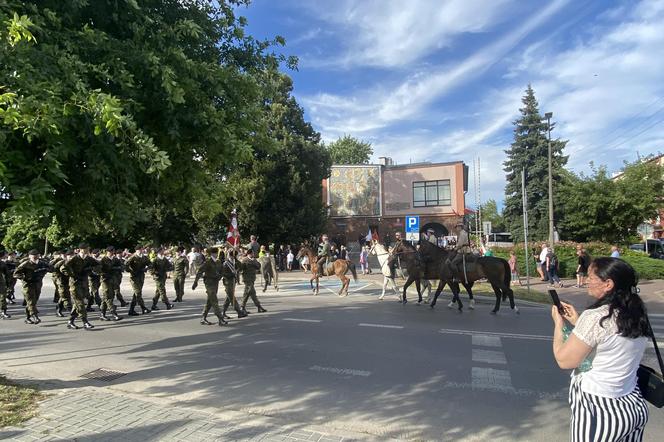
<point x="144" y="309"/>
<point x="28" y="319"/>
<point x="169" y="306"/>
<point x="261" y="309"/>
<point x="204" y="320"/>
<point x="132" y="306"/>
<point x="241" y="313"/>
<point x="154" y="304"/>
<point x="222" y="321"/>
<point x="102" y="315"/>
<point x="71" y="325"/>
<point x="87" y="325"/>
<point x="4" y="314"/>
<point x="36" y="319"/>
<point x="114" y="314"/>
<point x="58" y="310"/>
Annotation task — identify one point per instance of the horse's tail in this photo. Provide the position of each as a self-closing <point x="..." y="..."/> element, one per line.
<point x="351" y="266"/>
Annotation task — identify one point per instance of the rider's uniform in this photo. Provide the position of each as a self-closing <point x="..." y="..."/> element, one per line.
<point x="324" y="253"/>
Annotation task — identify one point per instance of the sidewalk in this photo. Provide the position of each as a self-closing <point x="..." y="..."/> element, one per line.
<point x="101" y="414"/>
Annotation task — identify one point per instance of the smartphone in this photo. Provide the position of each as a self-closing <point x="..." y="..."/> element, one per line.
<point x="556" y="301"/>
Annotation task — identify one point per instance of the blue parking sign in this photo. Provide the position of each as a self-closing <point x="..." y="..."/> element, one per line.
<point x="412" y="224"/>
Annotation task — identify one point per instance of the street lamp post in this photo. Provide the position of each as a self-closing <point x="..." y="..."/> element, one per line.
<point x="548" y="116"/>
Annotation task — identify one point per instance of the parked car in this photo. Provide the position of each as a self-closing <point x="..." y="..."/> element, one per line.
<point x="655" y="248"/>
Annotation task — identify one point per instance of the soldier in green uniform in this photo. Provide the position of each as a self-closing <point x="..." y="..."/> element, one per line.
<point x="211" y="271"/>
<point x="3" y="287"/>
<point x="78" y="267"/>
<point x="159" y="268"/>
<point x="94" y="282"/>
<point x="180" y="270"/>
<point x="108" y="279"/>
<point x="31" y="272"/>
<point x="249" y="266"/>
<point x="118" y="268"/>
<point x="64" y="296"/>
<point x="11" y="264"/>
<point x="57" y="257"/>
<point x="137" y="264"/>
<point x="323" y="256"/>
<point x="230" y="277"/>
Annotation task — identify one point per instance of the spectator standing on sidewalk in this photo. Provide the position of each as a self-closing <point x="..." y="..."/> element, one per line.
<point x="289" y="260"/>
<point x="513" y="268"/>
<point x="583" y="262"/>
<point x="552" y="268"/>
<point x="614" y="252"/>
<point x="542" y="261"/>
<point x="364" y="255"/>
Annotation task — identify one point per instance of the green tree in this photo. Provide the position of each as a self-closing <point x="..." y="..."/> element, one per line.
<point x="119" y="118"/>
<point x="601" y="208"/>
<point x="350" y="150"/>
<point x="490" y="213"/>
<point x="529" y="151"/>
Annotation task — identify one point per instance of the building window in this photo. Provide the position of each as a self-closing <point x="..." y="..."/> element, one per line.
<point x="432" y="193"/>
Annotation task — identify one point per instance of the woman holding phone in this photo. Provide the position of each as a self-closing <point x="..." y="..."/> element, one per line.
<point x="605" y="399"/>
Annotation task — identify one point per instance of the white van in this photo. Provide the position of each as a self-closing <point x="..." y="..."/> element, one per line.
<point x="499" y="240"/>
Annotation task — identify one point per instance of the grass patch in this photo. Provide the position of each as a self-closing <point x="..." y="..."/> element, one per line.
<point x="18" y="403"/>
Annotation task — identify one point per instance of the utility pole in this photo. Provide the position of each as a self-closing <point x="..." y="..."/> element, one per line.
<point x="524" y="199"/>
<point x="548" y="116"/>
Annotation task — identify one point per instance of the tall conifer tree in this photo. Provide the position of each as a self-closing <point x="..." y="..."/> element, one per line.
<point x="530" y="151"/>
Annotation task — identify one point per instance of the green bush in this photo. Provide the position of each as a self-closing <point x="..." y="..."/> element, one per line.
<point x="646" y="267"/>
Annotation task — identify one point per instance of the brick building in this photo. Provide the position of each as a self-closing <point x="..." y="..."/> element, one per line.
<point x="380" y="196"/>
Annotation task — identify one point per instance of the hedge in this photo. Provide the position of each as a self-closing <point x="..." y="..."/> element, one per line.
<point x="646" y="267"/>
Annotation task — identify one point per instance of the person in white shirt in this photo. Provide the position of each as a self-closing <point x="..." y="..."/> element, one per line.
<point x="542" y="261"/>
<point x="604" y="396"/>
<point x="289" y="260"/>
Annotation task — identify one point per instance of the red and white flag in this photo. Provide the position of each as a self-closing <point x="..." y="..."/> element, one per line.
<point x="233" y="235"/>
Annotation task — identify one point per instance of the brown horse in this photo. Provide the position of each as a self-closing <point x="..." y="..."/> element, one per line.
<point x="338" y="267"/>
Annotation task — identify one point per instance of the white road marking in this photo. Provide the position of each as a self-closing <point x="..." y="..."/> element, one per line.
<point x="364" y="286"/>
<point x="487" y="341"/>
<point x="502" y="335"/>
<point x="489" y="356"/>
<point x="342" y="371"/>
<point x="506" y="390"/>
<point x="301" y="320"/>
<point x="491" y="378"/>
<point x="363" y="324"/>
<point x="656" y="315"/>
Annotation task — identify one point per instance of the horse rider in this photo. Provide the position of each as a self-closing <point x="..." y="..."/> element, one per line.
<point x="462" y="247"/>
<point x="323" y="256"/>
<point x="392" y="260"/>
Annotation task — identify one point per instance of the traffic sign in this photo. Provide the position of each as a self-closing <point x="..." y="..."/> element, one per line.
<point x="413" y="225"/>
<point x="413" y="236"/>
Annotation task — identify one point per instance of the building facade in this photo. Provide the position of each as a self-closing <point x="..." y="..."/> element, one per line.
<point x="378" y="198"/>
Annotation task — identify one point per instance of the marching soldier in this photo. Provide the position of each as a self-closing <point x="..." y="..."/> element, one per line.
<point x="57" y="257"/>
<point x="137" y="264"/>
<point x="230" y="277"/>
<point x="10" y="262"/>
<point x="3" y="287"/>
<point x="31" y="272"/>
<point x="249" y="267"/>
<point x="78" y="267"/>
<point x="180" y="270"/>
<point x="118" y="268"/>
<point x="108" y="280"/>
<point x="94" y="281"/>
<point x="211" y="271"/>
<point x="159" y="268"/>
<point x="324" y="254"/>
<point x="61" y="282"/>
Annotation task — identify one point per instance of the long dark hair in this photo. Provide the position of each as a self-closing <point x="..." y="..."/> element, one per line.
<point x="624" y="298"/>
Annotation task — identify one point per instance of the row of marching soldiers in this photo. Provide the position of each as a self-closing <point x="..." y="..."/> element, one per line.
<point x="78" y="276"/>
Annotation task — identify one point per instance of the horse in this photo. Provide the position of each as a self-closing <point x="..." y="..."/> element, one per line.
<point x="338" y="267"/>
<point x="409" y="257"/>
<point x="495" y="270"/>
<point x="436" y="256"/>
<point x="382" y="254"/>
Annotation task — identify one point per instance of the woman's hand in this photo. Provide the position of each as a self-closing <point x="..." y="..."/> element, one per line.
<point x="557" y="318"/>
<point x="570" y="313"/>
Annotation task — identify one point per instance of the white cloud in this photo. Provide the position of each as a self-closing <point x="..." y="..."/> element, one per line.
<point x="393" y="33"/>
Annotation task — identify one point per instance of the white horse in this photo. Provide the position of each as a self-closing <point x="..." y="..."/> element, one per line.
<point x="382" y="254"/>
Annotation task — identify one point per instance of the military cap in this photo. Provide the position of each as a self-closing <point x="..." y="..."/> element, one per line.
<point x="33" y="252"/>
<point x="110" y="249"/>
<point x="83" y="246"/>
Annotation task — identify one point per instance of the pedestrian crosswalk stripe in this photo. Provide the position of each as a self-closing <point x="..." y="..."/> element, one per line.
<point x="363" y="324"/>
<point x="489" y="356"/>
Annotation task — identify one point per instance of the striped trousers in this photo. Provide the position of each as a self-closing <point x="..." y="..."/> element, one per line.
<point x="598" y="418"/>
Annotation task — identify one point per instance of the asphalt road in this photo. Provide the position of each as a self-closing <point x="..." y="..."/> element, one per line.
<point x="373" y="367"/>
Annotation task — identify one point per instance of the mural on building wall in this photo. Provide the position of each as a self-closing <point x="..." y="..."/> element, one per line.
<point x="355" y="191"/>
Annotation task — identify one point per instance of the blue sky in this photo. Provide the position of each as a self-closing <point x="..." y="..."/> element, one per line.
<point x="442" y="80"/>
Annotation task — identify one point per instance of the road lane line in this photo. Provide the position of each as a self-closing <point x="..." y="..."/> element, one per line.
<point x="301" y="320"/>
<point x="502" y="335"/>
<point x="342" y="371"/>
<point x="489" y="356"/>
<point x="364" y="324"/>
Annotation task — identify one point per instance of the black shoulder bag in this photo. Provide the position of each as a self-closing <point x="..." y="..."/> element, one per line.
<point x="650" y="382"/>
